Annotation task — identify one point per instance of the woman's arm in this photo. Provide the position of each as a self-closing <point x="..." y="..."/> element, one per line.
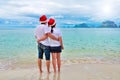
<point x="61" y="42"/>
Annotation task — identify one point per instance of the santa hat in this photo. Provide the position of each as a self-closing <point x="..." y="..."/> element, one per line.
<point x="43" y="19"/>
<point x="51" y="22"/>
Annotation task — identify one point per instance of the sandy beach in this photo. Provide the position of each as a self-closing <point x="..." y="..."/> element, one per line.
<point x="69" y="71"/>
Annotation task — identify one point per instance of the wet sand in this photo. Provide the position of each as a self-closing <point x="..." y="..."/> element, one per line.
<point x="69" y="71"/>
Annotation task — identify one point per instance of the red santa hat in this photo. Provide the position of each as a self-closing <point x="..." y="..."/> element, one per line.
<point x="51" y="22"/>
<point x="43" y="19"/>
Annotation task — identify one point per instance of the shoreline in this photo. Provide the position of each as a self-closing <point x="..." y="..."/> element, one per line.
<point x="25" y="64"/>
<point x="77" y="71"/>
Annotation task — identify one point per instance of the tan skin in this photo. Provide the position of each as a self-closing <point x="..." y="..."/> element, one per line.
<point x="52" y="37"/>
<point x="47" y="61"/>
<point x="46" y="36"/>
<point x="56" y="60"/>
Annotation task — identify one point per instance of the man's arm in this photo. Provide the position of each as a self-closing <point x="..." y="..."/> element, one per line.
<point x="47" y="31"/>
<point x="53" y="37"/>
<point x="42" y="38"/>
<point x="61" y="42"/>
<point x="46" y="36"/>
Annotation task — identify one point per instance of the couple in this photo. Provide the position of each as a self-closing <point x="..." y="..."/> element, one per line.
<point x="49" y="40"/>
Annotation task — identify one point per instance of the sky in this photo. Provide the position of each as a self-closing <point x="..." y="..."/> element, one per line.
<point x="23" y="12"/>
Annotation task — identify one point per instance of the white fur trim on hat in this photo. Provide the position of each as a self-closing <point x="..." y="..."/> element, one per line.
<point x="43" y="21"/>
<point x="53" y="24"/>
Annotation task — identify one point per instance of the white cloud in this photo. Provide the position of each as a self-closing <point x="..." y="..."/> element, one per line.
<point x="58" y="16"/>
<point x="38" y="7"/>
<point x="57" y="8"/>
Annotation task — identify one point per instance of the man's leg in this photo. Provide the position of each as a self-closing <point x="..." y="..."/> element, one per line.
<point x="48" y="65"/>
<point x="47" y="55"/>
<point x="40" y="57"/>
<point x="40" y="65"/>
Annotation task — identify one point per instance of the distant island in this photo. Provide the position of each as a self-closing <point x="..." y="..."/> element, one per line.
<point x="105" y="24"/>
<point x="109" y="24"/>
<point x="83" y="25"/>
<point x="8" y="23"/>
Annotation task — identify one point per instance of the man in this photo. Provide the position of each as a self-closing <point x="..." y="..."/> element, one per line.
<point x="43" y="45"/>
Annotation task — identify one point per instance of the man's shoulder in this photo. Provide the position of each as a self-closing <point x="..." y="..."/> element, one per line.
<point x="40" y="26"/>
<point x="37" y="26"/>
<point x="46" y="27"/>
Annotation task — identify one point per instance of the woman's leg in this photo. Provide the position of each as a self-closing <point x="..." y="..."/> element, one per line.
<point x="54" y="61"/>
<point x="58" y="61"/>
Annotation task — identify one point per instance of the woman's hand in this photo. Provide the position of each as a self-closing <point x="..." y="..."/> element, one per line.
<point x="62" y="47"/>
<point x="38" y="41"/>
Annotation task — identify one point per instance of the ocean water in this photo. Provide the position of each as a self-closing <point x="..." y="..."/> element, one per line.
<point x="19" y="45"/>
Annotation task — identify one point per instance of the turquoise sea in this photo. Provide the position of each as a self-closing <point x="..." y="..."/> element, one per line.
<point x="19" y="45"/>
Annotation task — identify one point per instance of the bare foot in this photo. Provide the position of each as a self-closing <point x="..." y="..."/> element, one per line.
<point x="40" y="78"/>
<point x="41" y="71"/>
<point x="54" y="72"/>
<point x="49" y="72"/>
<point x="58" y="71"/>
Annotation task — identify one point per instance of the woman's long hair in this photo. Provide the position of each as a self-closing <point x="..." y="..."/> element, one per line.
<point x="52" y="28"/>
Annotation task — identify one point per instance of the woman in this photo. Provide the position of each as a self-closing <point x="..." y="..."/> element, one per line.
<point x="55" y="46"/>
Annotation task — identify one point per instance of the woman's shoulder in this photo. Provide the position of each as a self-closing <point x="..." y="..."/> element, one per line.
<point x="57" y="29"/>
